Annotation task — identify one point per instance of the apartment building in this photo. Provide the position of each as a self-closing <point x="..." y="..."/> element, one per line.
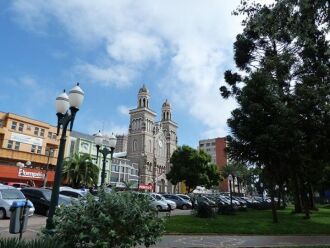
<point x="28" y="150"/>
<point x="216" y="149"/>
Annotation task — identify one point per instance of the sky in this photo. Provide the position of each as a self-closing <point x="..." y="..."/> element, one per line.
<point x="178" y="49"/>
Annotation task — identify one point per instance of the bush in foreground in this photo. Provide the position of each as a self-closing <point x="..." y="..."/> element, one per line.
<point x="37" y="243"/>
<point x="111" y="220"/>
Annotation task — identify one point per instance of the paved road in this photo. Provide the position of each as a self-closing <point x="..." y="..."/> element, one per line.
<point x="194" y="241"/>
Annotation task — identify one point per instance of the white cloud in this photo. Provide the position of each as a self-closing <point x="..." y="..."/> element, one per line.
<point x="106" y="127"/>
<point x="119" y="76"/>
<point x="194" y="36"/>
<point x="124" y="110"/>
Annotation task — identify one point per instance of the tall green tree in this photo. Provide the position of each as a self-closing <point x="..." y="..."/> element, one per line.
<point x="80" y="170"/>
<point x="192" y="167"/>
<point x="283" y="97"/>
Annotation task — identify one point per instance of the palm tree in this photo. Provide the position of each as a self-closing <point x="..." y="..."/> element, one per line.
<point x="80" y="170"/>
<point x="237" y="170"/>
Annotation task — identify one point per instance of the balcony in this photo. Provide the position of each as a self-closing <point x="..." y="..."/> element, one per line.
<point x="26" y="156"/>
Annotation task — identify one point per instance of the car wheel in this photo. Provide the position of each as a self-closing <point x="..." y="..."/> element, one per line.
<point x="159" y="208"/>
<point x="184" y="207"/>
<point x="2" y="213"/>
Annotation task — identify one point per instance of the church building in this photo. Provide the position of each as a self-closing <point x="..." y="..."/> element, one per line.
<point x="150" y="143"/>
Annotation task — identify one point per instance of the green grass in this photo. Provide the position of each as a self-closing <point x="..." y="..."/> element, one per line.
<point x="253" y="222"/>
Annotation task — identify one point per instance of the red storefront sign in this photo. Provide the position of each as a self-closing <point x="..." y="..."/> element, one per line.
<point x="145" y="186"/>
<point x="16" y="174"/>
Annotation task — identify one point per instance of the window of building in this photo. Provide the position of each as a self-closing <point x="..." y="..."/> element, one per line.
<point x="10" y="144"/>
<point x="213" y="143"/>
<point x="28" y="127"/>
<point x="21" y="127"/>
<point x="54" y="136"/>
<point x="36" y="130"/>
<point x="17" y="144"/>
<point x="14" y="125"/>
<point x="1" y="123"/>
<point x="39" y="149"/>
<point x="134" y="145"/>
<point x="33" y="148"/>
<point x="42" y="132"/>
<point x="201" y="145"/>
<point x="208" y="144"/>
<point x="72" y="145"/>
<point x="50" y="135"/>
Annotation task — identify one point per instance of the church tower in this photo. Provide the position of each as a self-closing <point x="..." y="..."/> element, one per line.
<point x="140" y="142"/>
<point x="170" y="131"/>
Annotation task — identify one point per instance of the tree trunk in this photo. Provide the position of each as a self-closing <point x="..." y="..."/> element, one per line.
<point x="233" y="185"/>
<point x="297" y="195"/>
<point x="238" y="186"/>
<point x="279" y="196"/>
<point x="274" y="213"/>
<point x="305" y="202"/>
<point x="311" y="198"/>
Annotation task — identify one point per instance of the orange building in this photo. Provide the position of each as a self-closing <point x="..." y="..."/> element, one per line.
<point x="216" y="149"/>
<point x="27" y="148"/>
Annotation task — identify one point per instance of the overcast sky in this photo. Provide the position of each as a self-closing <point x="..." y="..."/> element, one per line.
<point x="178" y="49"/>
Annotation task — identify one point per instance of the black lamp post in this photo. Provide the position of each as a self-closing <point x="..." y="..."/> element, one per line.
<point x="66" y="107"/>
<point x="230" y="179"/>
<point x="50" y="152"/>
<point x="105" y="151"/>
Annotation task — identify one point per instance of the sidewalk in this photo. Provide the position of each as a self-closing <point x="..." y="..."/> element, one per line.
<point x="212" y="241"/>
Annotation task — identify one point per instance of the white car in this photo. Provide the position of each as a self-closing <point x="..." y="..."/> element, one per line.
<point x="9" y="195"/>
<point x="71" y="192"/>
<point x="170" y="203"/>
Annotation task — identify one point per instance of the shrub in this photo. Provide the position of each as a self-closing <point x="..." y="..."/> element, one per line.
<point x="37" y="243"/>
<point x="111" y="220"/>
<point x="204" y="211"/>
<point x="226" y="210"/>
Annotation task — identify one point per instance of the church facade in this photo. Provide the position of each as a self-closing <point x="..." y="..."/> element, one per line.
<point x="150" y="143"/>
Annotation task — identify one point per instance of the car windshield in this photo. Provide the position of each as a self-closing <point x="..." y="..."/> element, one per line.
<point x="47" y="194"/>
<point x="11" y="194"/>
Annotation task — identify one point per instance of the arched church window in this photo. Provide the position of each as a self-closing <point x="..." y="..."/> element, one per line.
<point x="167" y="116"/>
<point x="144" y="102"/>
<point x="164" y="116"/>
<point x="134" y="145"/>
<point x="140" y="102"/>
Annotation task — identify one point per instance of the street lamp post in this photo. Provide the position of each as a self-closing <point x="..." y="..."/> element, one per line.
<point x="66" y="107"/>
<point x="230" y="178"/>
<point x="50" y="151"/>
<point x="111" y="141"/>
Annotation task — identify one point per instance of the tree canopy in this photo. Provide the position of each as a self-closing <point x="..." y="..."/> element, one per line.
<point x="283" y="92"/>
<point x="79" y="170"/>
<point x="193" y="167"/>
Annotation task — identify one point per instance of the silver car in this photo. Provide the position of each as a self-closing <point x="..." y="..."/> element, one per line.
<point x="170" y="203"/>
<point x="9" y="195"/>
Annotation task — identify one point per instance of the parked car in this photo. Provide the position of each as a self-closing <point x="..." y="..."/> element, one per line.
<point x="185" y="197"/>
<point x="71" y="192"/>
<point x="9" y="195"/>
<point x="40" y="198"/>
<point x="180" y="202"/>
<point x="18" y="185"/>
<point x="171" y="204"/>
<point x="156" y="204"/>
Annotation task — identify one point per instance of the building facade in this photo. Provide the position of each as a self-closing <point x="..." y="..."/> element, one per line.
<point x="118" y="171"/>
<point x="28" y="150"/>
<point x="216" y="149"/>
<point x="150" y="143"/>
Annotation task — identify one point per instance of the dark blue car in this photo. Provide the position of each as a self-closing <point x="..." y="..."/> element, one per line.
<point x="180" y="202"/>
